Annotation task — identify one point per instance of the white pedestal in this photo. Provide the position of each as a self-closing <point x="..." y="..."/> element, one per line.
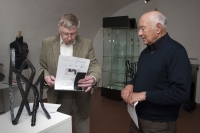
<point x="59" y="123"/>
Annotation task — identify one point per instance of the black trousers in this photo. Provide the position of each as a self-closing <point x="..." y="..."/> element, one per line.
<point x="146" y="126"/>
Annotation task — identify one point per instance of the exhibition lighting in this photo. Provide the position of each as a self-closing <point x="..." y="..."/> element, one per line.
<point x="146" y="1"/>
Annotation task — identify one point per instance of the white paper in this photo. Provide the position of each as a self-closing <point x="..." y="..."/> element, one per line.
<point x="132" y="112"/>
<point x="51" y="108"/>
<point x="68" y="67"/>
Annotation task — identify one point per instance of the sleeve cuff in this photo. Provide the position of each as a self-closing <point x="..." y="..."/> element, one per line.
<point x="95" y="81"/>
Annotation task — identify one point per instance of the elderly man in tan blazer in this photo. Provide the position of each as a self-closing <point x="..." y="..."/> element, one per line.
<point x="68" y="43"/>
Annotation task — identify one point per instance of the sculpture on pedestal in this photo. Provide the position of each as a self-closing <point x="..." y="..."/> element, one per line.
<point x="21" y="50"/>
<point x="25" y="91"/>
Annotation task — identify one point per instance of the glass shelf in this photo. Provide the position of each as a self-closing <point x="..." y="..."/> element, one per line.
<point x="119" y="45"/>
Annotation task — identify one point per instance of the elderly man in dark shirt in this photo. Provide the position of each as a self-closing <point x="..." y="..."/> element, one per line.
<point x="163" y="79"/>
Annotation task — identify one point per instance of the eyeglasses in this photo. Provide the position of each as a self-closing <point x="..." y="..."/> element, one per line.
<point x="68" y="34"/>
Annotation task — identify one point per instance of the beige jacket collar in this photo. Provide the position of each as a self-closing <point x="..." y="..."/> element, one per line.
<point x="56" y="47"/>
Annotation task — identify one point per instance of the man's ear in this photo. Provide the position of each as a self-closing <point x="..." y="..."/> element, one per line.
<point x="158" y="27"/>
<point x="58" y="29"/>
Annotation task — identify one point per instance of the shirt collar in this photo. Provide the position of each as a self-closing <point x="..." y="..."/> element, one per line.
<point x="158" y="42"/>
<point x="62" y="42"/>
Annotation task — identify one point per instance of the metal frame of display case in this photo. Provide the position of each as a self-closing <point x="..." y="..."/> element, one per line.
<point x="120" y="45"/>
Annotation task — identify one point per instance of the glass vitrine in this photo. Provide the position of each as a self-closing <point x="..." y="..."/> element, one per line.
<point x="119" y="46"/>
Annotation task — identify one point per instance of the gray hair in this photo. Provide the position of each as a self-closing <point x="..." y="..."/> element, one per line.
<point x="69" y="21"/>
<point x="159" y="18"/>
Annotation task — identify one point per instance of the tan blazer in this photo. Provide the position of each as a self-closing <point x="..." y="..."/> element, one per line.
<point x="83" y="48"/>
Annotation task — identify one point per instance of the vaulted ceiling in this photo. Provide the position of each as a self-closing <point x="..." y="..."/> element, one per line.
<point x="91" y="12"/>
<point x="42" y="14"/>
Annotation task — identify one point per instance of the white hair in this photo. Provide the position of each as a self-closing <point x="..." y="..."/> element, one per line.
<point x="69" y="21"/>
<point x="158" y="18"/>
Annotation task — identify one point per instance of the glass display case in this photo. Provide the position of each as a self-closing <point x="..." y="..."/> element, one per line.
<point x="120" y="48"/>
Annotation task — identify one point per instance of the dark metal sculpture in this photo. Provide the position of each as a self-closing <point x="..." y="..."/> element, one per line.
<point x="24" y="93"/>
<point x="131" y="69"/>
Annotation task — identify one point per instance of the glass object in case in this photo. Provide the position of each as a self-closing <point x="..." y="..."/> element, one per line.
<point x="119" y="45"/>
<point x="120" y="54"/>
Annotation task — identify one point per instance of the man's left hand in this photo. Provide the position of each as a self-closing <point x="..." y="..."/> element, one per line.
<point x="87" y="83"/>
<point x="137" y="97"/>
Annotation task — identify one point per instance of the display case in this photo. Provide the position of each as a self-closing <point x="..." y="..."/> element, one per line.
<point x="120" y="56"/>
